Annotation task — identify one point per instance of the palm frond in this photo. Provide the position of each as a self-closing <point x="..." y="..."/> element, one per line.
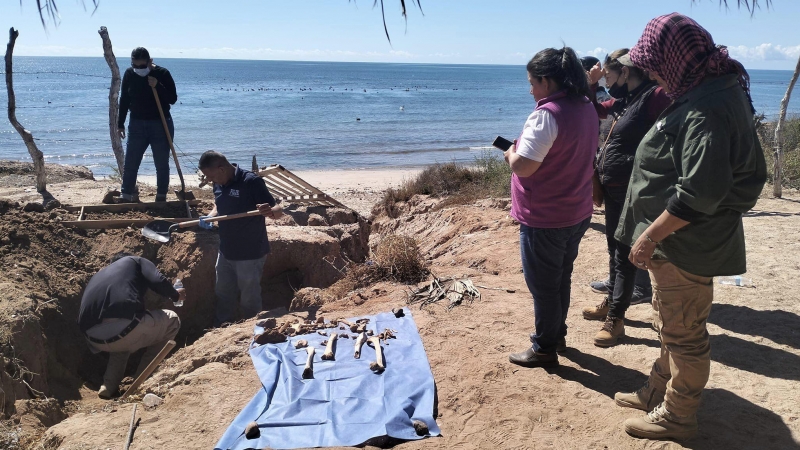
<point x="749" y="5"/>
<point x="48" y="10"/>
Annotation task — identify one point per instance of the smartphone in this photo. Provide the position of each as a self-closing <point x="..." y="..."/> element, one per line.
<point x="502" y="143"/>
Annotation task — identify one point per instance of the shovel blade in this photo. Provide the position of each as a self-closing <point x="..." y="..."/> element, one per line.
<point x="158" y="230"/>
<point x="184" y="195"/>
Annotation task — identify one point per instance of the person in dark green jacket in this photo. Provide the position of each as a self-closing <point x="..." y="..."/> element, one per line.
<point x="696" y="172"/>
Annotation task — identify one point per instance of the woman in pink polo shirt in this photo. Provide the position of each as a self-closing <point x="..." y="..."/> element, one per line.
<point x="551" y="193"/>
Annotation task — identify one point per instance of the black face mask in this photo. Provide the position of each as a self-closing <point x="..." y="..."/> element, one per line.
<point x="618" y="92"/>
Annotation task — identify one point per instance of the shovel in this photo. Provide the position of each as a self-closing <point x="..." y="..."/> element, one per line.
<point x="160" y="230"/>
<point x="183" y="194"/>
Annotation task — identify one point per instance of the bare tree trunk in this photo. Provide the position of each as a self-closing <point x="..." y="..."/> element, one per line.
<point x="27" y="137"/>
<point x="113" y="99"/>
<point x="777" y="190"/>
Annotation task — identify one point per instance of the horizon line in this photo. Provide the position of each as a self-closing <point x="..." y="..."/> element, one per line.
<point x="317" y="61"/>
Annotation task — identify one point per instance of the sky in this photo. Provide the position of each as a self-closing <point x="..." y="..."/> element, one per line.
<point x="449" y="31"/>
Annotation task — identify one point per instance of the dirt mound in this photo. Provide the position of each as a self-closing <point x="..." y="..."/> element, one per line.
<point x="47" y="264"/>
<point x="485" y="402"/>
<point x="21" y="174"/>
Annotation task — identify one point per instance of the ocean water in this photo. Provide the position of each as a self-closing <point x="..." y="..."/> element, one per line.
<point x="303" y="115"/>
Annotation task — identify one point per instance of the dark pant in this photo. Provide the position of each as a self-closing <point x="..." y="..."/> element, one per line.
<point x="548" y="255"/>
<point x="141" y="134"/>
<point x="622" y="273"/>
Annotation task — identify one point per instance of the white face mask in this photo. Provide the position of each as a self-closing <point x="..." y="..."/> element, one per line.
<point x="142" y="72"/>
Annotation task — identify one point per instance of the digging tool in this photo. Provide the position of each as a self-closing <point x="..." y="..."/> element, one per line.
<point x="160" y="230"/>
<point x="129" y="438"/>
<point x="149" y="369"/>
<point x="183" y="194"/>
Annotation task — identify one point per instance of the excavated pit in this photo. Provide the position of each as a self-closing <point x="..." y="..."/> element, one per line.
<point x="45" y="266"/>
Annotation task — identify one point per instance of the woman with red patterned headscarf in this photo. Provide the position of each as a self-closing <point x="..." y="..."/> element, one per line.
<point x="697" y="170"/>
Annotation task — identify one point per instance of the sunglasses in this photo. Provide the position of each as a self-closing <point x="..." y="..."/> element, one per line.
<point x="140" y="66"/>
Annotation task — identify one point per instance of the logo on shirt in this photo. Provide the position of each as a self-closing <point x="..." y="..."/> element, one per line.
<point x="234" y="193"/>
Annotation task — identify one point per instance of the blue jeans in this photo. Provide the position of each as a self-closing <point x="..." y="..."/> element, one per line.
<point x="548" y="255"/>
<point x="141" y="134"/>
<point x="238" y="284"/>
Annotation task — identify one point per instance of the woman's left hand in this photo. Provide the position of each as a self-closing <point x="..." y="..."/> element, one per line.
<point x="512" y="149"/>
<point x="642" y="252"/>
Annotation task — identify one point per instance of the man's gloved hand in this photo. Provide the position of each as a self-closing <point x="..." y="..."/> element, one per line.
<point x="205" y="225"/>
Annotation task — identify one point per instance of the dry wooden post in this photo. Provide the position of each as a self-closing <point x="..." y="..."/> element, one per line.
<point x="149" y="369"/>
<point x="777" y="190"/>
<point x="27" y="137"/>
<point x="254" y="166"/>
<point x="113" y="99"/>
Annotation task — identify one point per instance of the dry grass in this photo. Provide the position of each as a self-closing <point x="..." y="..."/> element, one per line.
<point x="791" y="150"/>
<point x="396" y="258"/>
<point x="458" y="184"/>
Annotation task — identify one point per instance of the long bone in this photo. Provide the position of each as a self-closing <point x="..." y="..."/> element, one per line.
<point x="377" y="365"/>
<point x="308" y="371"/>
<point x="359" y="343"/>
<point x="328" y="355"/>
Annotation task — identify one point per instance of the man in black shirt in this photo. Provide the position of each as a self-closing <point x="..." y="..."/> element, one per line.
<point x="114" y="320"/>
<point x="243" y="243"/>
<point x="145" y="127"/>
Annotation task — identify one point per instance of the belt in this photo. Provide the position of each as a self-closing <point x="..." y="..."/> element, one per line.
<point x="121" y="334"/>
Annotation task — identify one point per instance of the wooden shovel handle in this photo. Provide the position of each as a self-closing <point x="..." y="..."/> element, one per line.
<point x="192" y="223"/>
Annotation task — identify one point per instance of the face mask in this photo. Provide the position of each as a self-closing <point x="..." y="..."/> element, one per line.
<point x="142" y="72"/>
<point x="618" y="91"/>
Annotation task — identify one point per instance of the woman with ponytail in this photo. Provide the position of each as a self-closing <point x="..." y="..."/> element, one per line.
<point x="551" y="193"/>
<point x="695" y="173"/>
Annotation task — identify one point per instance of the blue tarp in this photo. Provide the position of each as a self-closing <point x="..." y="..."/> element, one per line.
<point x="345" y="403"/>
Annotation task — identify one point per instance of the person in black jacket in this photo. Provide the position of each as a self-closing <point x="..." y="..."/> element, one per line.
<point x="145" y="127"/>
<point x="636" y="104"/>
<point x="113" y="317"/>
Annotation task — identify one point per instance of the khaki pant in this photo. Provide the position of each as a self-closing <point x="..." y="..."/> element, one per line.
<point x="682" y="302"/>
<point x="154" y="330"/>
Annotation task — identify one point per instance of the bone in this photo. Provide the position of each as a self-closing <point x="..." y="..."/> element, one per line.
<point x="322" y="333"/>
<point x="370" y="332"/>
<point x="421" y="428"/>
<point x="359" y="343"/>
<point x="300" y="328"/>
<point x="320" y="320"/>
<point x="344" y="336"/>
<point x="302" y="343"/>
<point x="284" y="327"/>
<point x="308" y="371"/>
<point x="360" y="328"/>
<point x="398" y="312"/>
<point x="270" y="337"/>
<point x="252" y="431"/>
<point x="328" y="355"/>
<point x="387" y="334"/>
<point x="267" y="323"/>
<point x="377" y="365"/>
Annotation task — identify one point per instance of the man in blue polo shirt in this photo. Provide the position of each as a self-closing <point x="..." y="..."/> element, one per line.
<point x="243" y="243"/>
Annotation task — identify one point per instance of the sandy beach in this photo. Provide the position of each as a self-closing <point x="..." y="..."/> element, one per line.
<point x="358" y="189"/>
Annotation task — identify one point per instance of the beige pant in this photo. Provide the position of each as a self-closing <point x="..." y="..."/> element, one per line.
<point x="154" y="330"/>
<point x="682" y="302"/>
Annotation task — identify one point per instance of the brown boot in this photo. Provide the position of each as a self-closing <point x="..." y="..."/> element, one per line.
<point x="598" y="312"/>
<point x="646" y="398"/>
<point x="613" y="330"/>
<point x="662" y="424"/>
